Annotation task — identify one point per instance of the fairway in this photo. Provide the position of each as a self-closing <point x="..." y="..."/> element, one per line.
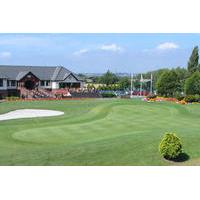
<point x="98" y="132"/>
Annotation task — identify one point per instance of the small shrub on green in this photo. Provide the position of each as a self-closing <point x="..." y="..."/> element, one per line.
<point x="170" y="146"/>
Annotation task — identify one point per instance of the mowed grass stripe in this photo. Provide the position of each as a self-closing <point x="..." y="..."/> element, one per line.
<point x="97" y="132"/>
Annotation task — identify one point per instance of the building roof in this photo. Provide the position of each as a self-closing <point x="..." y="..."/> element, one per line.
<point x="21" y="75"/>
<point x="57" y="73"/>
<point x="3" y="76"/>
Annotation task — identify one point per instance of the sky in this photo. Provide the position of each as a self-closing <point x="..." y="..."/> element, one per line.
<point x="96" y="53"/>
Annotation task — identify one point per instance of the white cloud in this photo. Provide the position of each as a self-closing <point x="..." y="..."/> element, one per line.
<point x="111" y="47"/>
<point x="103" y="47"/>
<point x="80" y="52"/>
<point x="167" y="45"/>
<point x="5" y="54"/>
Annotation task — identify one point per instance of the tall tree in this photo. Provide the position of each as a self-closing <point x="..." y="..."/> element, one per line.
<point x="109" y="78"/>
<point x="182" y="74"/>
<point x="193" y="63"/>
<point x="192" y="84"/>
<point x="124" y="83"/>
<point x="168" y="83"/>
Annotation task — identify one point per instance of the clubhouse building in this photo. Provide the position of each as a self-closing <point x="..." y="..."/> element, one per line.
<point x="36" y="81"/>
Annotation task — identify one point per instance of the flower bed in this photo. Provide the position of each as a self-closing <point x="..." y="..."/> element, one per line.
<point x="159" y="99"/>
<point x="186" y="100"/>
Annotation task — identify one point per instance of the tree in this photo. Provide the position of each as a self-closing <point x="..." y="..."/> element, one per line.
<point x="168" y="83"/>
<point x="193" y="63"/>
<point x="109" y="78"/>
<point x="156" y="74"/>
<point x="124" y="83"/>
<point x="182" y="74"/>
<point x="192" y="84"/>
<point x="170" y="146"/>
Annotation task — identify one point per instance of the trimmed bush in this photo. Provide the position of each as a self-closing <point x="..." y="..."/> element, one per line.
<point x="12" y="98"/>
<point x="170" y="146"/>
<point x="108" y="95"/>
<point x="192" y="98"/>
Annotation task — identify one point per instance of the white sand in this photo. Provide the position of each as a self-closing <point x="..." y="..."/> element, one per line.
<point x="29" y="113"/>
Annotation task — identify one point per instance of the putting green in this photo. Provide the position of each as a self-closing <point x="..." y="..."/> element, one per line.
<point x="98" y="132"/>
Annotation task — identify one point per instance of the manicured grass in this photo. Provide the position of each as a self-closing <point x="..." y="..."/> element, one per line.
<point x="98" y="132"/>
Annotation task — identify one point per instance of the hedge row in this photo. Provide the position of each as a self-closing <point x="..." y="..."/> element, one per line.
<point x="108" y="95"/>
<point x="192" y="98"/>
<point x="12" y="98"/>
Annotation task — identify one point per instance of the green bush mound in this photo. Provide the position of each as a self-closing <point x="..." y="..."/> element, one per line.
<point x="170" y="146"/>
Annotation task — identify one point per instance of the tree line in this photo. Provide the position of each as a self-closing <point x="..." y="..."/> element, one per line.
<point x="166" y="82"/>
<point x="180" y="81"/>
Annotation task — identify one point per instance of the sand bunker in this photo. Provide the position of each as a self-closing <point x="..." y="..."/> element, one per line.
<point x="29" y="113"/>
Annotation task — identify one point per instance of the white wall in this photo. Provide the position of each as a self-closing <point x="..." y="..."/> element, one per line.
<point x="4" y="85"/>
<point x="55" y="85"/>
<point x="82" y="85"/>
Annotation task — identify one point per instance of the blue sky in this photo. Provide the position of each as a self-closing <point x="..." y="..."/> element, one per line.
<point x="99" y="52"/>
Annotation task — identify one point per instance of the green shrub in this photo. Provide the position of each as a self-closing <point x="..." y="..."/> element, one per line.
<point x="108" y="95"/>
<point x="192" y="84"/>
<point x="151" y="96"/>
<point x="192" y="98"/>
<point x="179" y="97"/>
<point x="12" y="98"/>
<point x="170" y="146"/>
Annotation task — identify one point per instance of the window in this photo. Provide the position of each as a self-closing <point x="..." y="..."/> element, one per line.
<point x="8" y="83"/>
<point x="42" y="83"/>
<point x="13" y="83"/>
<point x="47" y="83"/>
<point x="1" y="82"/>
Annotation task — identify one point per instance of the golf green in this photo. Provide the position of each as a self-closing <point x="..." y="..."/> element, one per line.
<point x="98" y="132"/>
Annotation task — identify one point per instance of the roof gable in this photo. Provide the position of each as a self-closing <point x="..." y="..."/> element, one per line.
<point x="71" y="78"/>
<point x="57" y="73"/>
<point x="21" y="75"/>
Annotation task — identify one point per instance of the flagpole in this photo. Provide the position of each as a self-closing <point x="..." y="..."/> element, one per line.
<point x="151" y="89"/>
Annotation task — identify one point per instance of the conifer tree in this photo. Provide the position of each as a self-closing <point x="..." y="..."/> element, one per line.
<point x="193" y="63"/>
